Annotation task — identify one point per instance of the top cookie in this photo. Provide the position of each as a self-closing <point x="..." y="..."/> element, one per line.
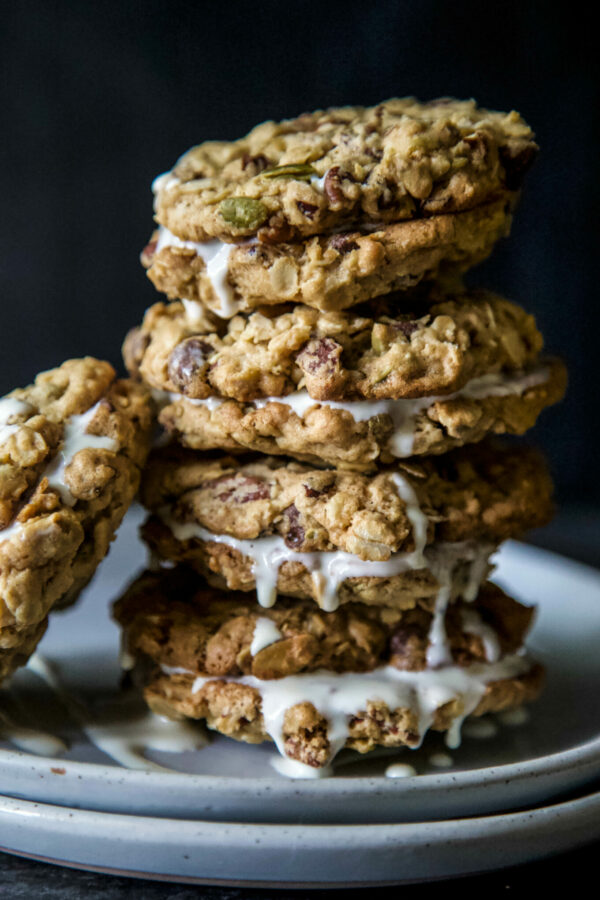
<point x="352" y="166"/>
<point x="71" y="449"/>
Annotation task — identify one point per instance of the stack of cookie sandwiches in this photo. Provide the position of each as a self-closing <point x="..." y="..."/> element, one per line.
<point x="328" y="495"/>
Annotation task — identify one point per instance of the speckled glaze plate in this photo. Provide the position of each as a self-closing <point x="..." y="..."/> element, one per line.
<point x="552" y="755"/>
<point x="293" y="855"/>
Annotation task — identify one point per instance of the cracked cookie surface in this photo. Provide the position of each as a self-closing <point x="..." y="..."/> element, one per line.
<point x="71" y="449"/>
<point x="345" y="167"/>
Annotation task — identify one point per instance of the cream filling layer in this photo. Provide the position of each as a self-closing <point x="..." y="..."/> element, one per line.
<point x="403" y="413"/>
<point x="216" y="258"/>
<point x="339" y="697"/>
<point x="328" y="569"/>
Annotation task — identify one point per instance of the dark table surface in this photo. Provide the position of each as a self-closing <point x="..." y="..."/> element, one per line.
<point x="575" y="533"/>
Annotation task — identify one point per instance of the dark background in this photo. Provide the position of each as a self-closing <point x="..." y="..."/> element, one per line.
<point x="98" y="98"/>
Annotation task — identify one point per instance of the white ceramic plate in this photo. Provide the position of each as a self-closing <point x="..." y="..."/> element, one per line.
<point x="556" y="752"/>
<point x="293" y="855"/>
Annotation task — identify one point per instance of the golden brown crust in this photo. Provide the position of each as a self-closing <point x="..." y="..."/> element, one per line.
<point x="52" y="542"/>
<point x="336" y="271"/>
<point x="342" y="167"/>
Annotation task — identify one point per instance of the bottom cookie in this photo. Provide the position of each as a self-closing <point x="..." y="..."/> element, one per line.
<point x="314" y="682"/>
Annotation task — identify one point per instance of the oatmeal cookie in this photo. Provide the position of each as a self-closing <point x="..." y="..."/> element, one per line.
<point x="327" y="272"/>
<point x="386" y="350"/>
<point x="362" y="435"/>
<point x="235" y="708"/>
<point x="339" y="536"/>
<point x="341" y="168"/>
<point x="71" y="449"/>
<point x="175" y="622"/>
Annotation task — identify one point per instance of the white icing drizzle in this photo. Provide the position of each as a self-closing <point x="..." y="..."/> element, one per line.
<point x="513" y="718"/>
<point x="480" y="729"/>
<point x="403" y="413"/>
<point x="32" y="740"/>
<point x="400" y="770"/>
<point x="163" y="182"/>
<point x="120" y="730"/>
<point x="194" y="312"/>
<point x="444" y="566"/>
<point x="339" y="697"/>
<point x="441" y="760"/>
<point x="9" y="407"/>
<point x="293" y="768"/>
<point x="472" y="623"/>
<point x="328" y="568"/>
<point x="266" y="633"/>
<point x="75" y="438"/>
<point x="318" y="181"/>
<point x="215" y="254"/>
<point x="416" y="516"/>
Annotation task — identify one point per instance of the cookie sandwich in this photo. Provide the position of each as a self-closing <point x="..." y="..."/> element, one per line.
<point x="72" y="446"/>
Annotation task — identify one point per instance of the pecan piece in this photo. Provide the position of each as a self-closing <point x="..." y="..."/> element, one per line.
<point x="239" y="488"/>
<point x="332" y="186"/>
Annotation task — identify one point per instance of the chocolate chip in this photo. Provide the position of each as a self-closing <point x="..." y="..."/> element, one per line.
<point x="238" y="488"/>
<point x="343" y="243"/>
<point x="407" y="327"/>
<point x="294" y="536"/>
<point x="307" y="209"/>
<point x="516" y="162"/>
<point x="188" y="361"/>
<point x="320" y="355"/>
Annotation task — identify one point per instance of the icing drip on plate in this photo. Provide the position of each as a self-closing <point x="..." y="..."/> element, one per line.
<point x="121" y="729"/>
